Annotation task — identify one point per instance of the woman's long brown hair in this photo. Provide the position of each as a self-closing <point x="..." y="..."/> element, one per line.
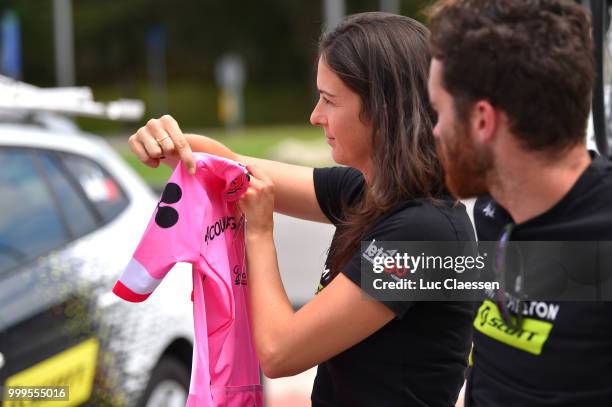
<point x="385" y="58"/>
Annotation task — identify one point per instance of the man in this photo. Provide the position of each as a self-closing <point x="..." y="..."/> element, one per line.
<point x="511" y="81"/>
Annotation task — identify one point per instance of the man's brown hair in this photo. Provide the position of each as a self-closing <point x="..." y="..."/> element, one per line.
<point x="533" y="59"/>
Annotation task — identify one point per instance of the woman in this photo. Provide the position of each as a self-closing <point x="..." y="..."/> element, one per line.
<point x="373" y="107"/>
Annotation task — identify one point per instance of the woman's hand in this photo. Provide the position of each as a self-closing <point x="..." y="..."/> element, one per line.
<point x="257" y="203"/>
<point x="162" y="139"/>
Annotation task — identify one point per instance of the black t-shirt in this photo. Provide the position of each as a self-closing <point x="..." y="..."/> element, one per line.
<point x="418" y="358"/>
<point x="563" y="357"/>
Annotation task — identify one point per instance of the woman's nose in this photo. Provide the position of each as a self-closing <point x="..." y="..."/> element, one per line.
<point x="315" y="116"/>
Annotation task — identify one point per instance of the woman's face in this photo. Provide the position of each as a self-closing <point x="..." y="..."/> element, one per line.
<point x="337" y="112"/>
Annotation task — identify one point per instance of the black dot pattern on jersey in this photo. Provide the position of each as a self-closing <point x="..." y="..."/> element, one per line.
<point x="167" y="216"/>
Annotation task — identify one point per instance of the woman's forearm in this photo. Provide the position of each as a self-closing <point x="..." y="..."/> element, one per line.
<point x="295" y="194"/>
<point x="270" y="307"/>
<point x="206" y="144"/>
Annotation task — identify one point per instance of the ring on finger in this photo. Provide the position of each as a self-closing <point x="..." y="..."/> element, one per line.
<point x="159" y="140"/>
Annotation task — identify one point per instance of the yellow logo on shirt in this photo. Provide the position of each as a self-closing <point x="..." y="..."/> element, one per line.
<point x="530" y="337"/>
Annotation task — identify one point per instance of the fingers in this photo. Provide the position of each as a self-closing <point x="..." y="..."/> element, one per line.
<point x="179" y="141"/>
<point x="160" y="136"/>
<point x="258" y="184"/>
<point x="257" y="204"/>
<point x="248" y="201"/>
<point x="137" y="144"/>
<point x="241" y="205"/>
<point x="143" y="144"/>
<point x="257" y="173"/>
<point x="144" y="157"/>
<point x="161" y="139"/>
<point x="151" y="146"/>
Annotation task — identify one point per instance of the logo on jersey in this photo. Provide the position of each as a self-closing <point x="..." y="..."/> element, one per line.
<point x="489" y="210"/>
<point x="217" y="228"/>
<point x="530" y="337"/>
<point x="324" y="280"/>
<point x="238" y="184"/>
<point x="374" y="252"/>
<point x="240" y="277"/>
<point x="167" y="216"/>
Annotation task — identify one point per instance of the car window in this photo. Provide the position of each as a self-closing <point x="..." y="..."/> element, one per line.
<point x="30" y="224"/>
<point x="76" y="214"/>
<point x="101" y="189"/>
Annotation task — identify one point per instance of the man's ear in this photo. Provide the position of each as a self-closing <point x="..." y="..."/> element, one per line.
<point x="484" y="121"/>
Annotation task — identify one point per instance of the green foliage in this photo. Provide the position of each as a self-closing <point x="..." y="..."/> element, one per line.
<point x="195" y="104"/>
<point x="276" y="38"/>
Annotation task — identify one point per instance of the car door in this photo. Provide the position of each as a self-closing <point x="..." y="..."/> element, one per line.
<point x="48" y="325"/>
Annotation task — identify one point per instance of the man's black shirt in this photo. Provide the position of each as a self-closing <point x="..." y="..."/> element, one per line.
<point x="564" y="357"/>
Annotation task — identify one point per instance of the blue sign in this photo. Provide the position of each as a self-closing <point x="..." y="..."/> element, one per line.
<point x="10" y="60"/>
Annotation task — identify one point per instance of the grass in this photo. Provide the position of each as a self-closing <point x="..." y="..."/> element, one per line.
<point x="194" y="103"/>
<point x="152" y="176"/>
<point x="252" y="141"/>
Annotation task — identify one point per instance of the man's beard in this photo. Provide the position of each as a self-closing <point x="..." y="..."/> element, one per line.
<point x="465" y="165"/>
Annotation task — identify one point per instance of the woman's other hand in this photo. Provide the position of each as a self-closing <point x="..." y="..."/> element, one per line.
<point x="257" y="203"/>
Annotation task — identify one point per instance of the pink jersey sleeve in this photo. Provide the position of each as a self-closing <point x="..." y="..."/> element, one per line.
<point x="234" y="175"/>
<point x="174" y="234"/>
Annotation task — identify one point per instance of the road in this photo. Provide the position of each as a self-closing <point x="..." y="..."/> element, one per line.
<point x="302" y="248"/>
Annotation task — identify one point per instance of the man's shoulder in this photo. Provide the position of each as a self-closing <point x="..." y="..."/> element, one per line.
<point x="601" y="175"/>
<point x="584" y="213"/>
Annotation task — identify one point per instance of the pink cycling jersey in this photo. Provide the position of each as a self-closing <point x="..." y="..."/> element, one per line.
<point x="196" y="222"/>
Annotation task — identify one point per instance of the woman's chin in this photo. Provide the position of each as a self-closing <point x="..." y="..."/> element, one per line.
<point x="338" y="159"/>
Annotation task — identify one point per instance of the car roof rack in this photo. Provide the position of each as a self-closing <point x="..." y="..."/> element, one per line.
<point x="19" y="97"/>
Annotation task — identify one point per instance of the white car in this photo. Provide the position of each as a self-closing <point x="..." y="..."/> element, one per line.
<point x="71" y="214"/>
